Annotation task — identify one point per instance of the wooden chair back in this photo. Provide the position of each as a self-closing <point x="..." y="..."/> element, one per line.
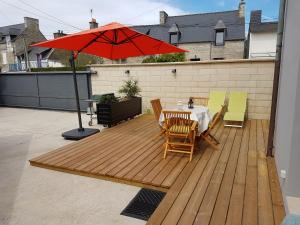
<point x="156" y="106"/>
<point x="180" y="132"/>
<point x="177" y="118"/>
<point x="200" y="101"/>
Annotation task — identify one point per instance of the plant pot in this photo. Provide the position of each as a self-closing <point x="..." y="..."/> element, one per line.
<point x="113" y="113"/>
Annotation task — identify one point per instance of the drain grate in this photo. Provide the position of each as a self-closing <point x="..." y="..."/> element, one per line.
<point x="143" y="204"/>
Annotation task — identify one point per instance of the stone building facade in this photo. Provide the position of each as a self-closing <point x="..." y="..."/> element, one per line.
<point x="208" y="51"/>
<point x="14" y="39"/>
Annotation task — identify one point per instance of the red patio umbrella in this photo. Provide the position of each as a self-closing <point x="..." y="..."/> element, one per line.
<point x="112" y="41"/>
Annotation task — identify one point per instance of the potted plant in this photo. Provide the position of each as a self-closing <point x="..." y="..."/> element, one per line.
<point x="112" y="110"/>
<point x="130" y="88"/>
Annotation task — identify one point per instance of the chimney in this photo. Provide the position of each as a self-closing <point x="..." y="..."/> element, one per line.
<point x="58" y="34"/>
<point x="31" y="23"/>
<point x="255" y="17"/>
<point x="242" y="9"/>
<point x="93" y="24"/>
<point x="163" y="16"/>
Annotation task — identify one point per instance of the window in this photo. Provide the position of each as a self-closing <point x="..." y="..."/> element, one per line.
<point x="219" y="38"/>
<point x="174" y="38"/>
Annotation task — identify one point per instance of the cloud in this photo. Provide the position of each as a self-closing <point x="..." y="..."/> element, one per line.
<point x="77" y="12"/>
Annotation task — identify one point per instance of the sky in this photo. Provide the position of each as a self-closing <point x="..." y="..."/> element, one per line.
<point x="73" y="16"/>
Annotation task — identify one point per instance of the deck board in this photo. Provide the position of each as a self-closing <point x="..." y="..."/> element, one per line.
<point x="235" y="185"/>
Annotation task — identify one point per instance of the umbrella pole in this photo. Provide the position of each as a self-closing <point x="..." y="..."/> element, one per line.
<point x="72" y="63"/>
<point x="79" y="133"/>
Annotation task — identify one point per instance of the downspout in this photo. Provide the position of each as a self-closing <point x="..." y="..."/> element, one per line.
<point x="276" y="77"/>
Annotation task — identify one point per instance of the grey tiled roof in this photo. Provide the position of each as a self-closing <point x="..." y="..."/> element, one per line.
<point x="264" y="27"/>
<point x="15" y="29"/>
<point x="198" y="27"/>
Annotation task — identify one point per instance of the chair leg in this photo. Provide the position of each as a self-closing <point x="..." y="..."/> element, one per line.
<point x="192" y="152"/>
<point x="215" y="140"/>
<point x="166" y="149"/>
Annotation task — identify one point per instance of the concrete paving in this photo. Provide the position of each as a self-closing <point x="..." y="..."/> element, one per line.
<point x="36" y="196"/>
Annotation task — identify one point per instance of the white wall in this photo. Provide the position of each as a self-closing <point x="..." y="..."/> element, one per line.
<point x="262" y="45"/>
<point x="193" y="79"/>
<point x="287" y="136"/>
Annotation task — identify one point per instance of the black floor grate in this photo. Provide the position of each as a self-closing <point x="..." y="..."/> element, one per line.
<point x="143" y="204"/>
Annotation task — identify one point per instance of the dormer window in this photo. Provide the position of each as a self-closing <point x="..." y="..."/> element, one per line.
<point x="174" y="34"/>
<point x="174" y="39"/>
<point x="220" y="39"/>
<point x="220" y="31"/>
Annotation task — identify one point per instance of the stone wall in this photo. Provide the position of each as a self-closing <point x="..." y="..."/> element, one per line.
<point x="31" y="35"/>
<point x="208" y="51"/>
<point x="193" y="79"/>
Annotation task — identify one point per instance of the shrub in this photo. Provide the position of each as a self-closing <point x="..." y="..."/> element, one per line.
<point x="130" y="88"/>
<point x="107" y="99"/>
<point x="47" y="69"/>
<point x="175" y="57"/>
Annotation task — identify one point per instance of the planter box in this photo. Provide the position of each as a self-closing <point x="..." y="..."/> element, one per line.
<point x="111" y="114"/>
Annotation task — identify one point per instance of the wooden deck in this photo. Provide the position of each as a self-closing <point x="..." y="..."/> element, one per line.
<point x="129" y="153"/>
<point x="234" y="185"/>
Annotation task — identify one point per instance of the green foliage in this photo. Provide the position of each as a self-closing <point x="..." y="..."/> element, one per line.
<point x="47" y="69"/>
<point x="130" y="88"/>
<point x="63" y="56"/>
<point x="107" y="99"/>
<point x="85" y="59"/>
<point x="175" y="57"/>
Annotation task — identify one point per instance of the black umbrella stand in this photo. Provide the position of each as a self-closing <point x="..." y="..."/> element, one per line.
<point x="79" y="133"/>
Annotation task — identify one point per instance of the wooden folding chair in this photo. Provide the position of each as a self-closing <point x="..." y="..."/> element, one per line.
<point x="200" y="100"/>
<point x="207" y="136"/>
<point x="237" y="105"/>
<point x="180" y="132"/>
<point x="156" y="106"/>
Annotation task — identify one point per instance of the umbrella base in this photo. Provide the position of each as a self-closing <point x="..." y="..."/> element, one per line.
<point x="77" y="134"/>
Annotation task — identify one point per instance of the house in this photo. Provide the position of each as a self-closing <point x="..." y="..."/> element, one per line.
<point x="15" y="41"/>
<point x="261" y="41"/>
<point x="207" y="36"/>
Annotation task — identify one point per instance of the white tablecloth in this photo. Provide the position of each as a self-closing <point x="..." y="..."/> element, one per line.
<point x="199" y="113"/>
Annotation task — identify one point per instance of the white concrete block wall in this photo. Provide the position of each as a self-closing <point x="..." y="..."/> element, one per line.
<point x="193" y="79"/>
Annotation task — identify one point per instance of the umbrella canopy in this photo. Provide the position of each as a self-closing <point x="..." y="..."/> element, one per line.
<point x="112" y="41"/>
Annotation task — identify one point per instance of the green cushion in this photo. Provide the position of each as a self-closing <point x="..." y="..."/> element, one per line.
<point x="234" y="116"/>
<point x="236" y="107"/>
<point x="237" y="102"/>
<point x="179" y="129"/>
<point x="216" y="100"/>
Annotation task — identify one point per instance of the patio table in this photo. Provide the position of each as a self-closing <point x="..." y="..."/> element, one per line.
<point x="200" y="114"/>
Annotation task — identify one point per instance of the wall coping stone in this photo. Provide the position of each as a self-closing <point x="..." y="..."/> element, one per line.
<point x="186" y="63"/>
